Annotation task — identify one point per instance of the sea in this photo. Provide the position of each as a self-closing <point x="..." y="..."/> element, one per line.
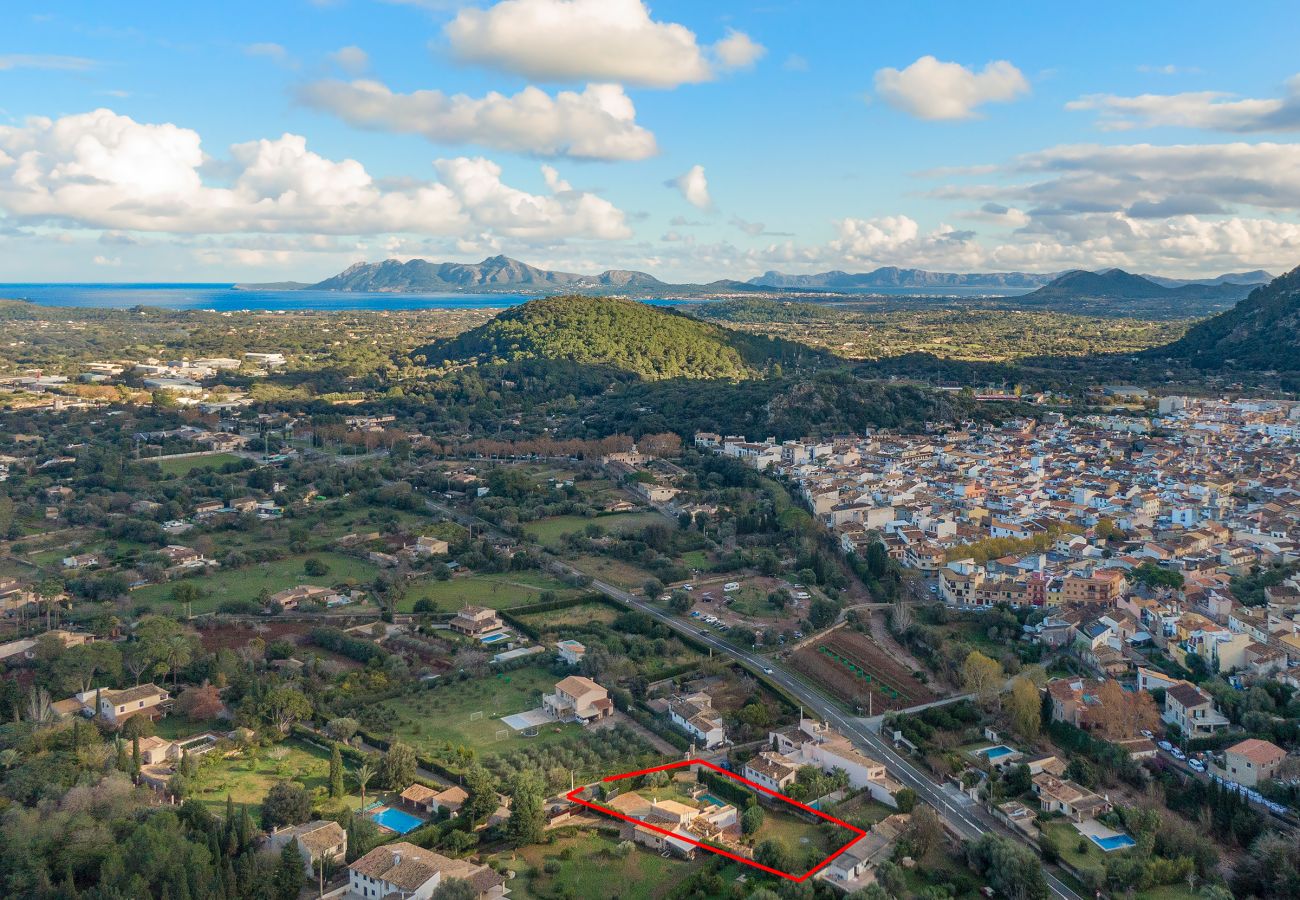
<point x="226" y="298"/>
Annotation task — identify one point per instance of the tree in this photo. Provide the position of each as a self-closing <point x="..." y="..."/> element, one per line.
<point x="199" y="704"/>
<point x="751" y="819"/>
<point x="73" y="670"/>
<point x="455" y="889"/>
<point x="342" y="728"/>
<point x="315" y="567"/>
<point x="161" y="641"/>
<point x="772" y="853"/>
<point x="823" y="612"/>
<point x="289" y="876"/>
<point x="1012" y="870"/>
<point x="286" y="803"/>
<point x="362" y="777"/>
<point x="284" y="705"/>
<point x="981" y="676"/>
<point x="336" y="773"/>
<point x="397" y="768"/>
<point x="906" y="799"/>
<point x="1025" y="708"/>
<point x="527" y="810"/>
<point x="482" y="801"/>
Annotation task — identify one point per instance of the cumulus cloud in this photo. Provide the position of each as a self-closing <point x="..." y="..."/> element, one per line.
<point x="592" y="40"/>
<point x="694" y="187"/>
<point x="931" y="89"/>
<point x="1211" y="110"/>
<point x="351" y="59"/>
<point x="45" y="61"/>
<point x="105" y="171"/>
<point x="598" y="123"/>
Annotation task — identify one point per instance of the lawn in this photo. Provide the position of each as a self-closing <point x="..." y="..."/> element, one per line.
<point x="582" y="614"/>
<point x="442" y="713"/>
<point x="247" y="582"/>
<point x="503" y="591"/>
<point x="799" y="838"/>
<point x="247" y="779"/>
<point x="588" y="867"/>
<point x="696" y="559"/>
<point x="552" y="530"/>
<point x="184" y="466"/>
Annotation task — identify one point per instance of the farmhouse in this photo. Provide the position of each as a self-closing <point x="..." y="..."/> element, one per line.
<point x="695" y="715"/>
<point x="321" y="839"/>
<point x="292" y="598"/>
<point x="476" y="621"/>
<point x="413" y="873"/>
<point x="1252" y="761"/>
<point x="578" y="699"/>
<point x="118" y="706"/>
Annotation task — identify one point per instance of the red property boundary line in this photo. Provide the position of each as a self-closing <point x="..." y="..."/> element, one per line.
<point x="857" y="832"/>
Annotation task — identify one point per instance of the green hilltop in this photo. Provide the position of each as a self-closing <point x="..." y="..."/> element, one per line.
<point x="652" y="343"/>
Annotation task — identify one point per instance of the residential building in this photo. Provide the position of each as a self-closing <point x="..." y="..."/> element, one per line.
<point x="694" y="714"/>
<point x="320" y="839"/>
<point x="403" y="871"/>
<point x="476" y="621"/>
<point x="579" y="699"/>
<point x="1252" y="761"/>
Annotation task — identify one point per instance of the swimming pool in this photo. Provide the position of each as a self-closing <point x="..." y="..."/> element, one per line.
<point x="396" y="820"/>
<point x="711" y="798"/>
<point x="494" y="638"/>
<point x="1114" y="842"/>
<point x="996" y="753"/>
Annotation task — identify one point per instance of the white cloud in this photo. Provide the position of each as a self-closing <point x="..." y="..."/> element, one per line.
<point x="268" y="50"/>
<point x="45" y="61"/>
<point x="107" y="261"/>
<point x="930" y="89"/>
<point x="599" y="123"/>
<point x="1212" y="110"/>
<point x="351" y="59"/>
<point x="694" y="187"/>
<point x="101" y="170"/>
<point x="591" y="40"/>
<point x="738" y="50"/>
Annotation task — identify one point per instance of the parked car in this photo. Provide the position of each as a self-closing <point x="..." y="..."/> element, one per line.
<point x="1146" y="734"/>
<point x="1165" y="746"/>
<point x="1177" y="754"/>
<point x="1196" y="765"/>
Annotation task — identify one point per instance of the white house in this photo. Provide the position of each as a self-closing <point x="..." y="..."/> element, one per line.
<point x="695" y="715"/>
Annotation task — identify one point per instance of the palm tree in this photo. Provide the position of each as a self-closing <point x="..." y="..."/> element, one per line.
<point x="9" y="758"/>
<point x="38" y="706"/>
<point x="363" y="774"/>
<point x="177" y="652"/>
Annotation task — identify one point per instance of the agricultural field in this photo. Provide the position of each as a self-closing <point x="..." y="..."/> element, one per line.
<point x="498" y="591"/>
<point x="182" y="467"/>
<point x="551" y="622"/>
<point x="851" y="666"/>
<point x="615" y="571"/>
<point x="442" y="714"/>
<point x="586" y="865"/>
<point x="247" y="582"/>
<point x="248" y="777"/>
<point x="551" y="531"/>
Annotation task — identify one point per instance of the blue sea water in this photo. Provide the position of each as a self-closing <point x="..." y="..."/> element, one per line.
<point x="224" y="297"/>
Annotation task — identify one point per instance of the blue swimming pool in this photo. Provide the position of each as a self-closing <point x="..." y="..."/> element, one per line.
<point x="396" y="820"/>
<point x="996" y="753"/>
<point x="1114" y="842"/>
<point x="713" y="799"/>
<point x="494" y="638"/>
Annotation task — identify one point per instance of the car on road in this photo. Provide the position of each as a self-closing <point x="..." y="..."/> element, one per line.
<point x="1165" y="746"/>
<point x="688" y="587"/>
<point x="704" y="631"/>
<point x="1197" y="765"/>
<point x="767" y="671"/>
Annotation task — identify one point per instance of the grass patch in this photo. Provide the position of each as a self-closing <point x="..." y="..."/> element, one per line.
<point x="247" y="582"/>
<point x="498" y="591"/>
<point x="248" y="778"/>
<point x="184" y="466"/>
<point x="583" y="614"/>
<point x="586" y="866"/>
<point x="615" y="571"/>
<point x="431" y="718"/>
<point x="551" y="531"/>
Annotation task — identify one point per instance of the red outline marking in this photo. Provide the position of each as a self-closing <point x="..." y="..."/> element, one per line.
<point x="860" y="833"/>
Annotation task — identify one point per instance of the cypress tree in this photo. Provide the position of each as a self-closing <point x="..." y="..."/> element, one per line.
<point x="135" y="756"/>
<point x="288" y="878"/>
<point x="336" y="773"/>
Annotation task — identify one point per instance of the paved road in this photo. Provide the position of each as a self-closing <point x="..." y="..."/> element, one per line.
<point x="969" y="822"/>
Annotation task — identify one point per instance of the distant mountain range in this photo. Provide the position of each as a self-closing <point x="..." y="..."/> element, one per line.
<point x="1115" y="291"/>
<point x="1107" y="292"/>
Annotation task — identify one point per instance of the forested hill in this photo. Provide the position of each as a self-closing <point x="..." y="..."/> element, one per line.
<point x="1119" y="293"/>
<point x="1261" y="332"/>
<point x="649" y="342"/>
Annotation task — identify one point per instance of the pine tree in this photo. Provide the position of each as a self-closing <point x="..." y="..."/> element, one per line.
<point x="336" y="773"/>
<point x="288" y="878"/>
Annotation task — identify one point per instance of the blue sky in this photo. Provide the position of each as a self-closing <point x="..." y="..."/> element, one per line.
<point x="152" y="141"/>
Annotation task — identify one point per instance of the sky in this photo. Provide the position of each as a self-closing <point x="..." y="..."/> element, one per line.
<point x="238" y="141"/>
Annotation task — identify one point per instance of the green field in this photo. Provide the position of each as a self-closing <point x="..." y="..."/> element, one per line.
<point x="696" y="559"/>
<point x="615" y="571"/>
<point x="552" y="530"/>
<point x="184" y="466"/>
<point x="589" y="868"/>
<point x="441" y="714"/>
<point x="502" y="591"/>
<point x="582" y="614"/>
<point x="248" y="778"/>
<point x="245" y="583"/>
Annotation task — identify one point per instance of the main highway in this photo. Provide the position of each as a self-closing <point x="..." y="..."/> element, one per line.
<point x="968" y="821"/>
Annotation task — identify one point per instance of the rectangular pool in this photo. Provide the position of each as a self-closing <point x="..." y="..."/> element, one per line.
<point x="710" y="798"/>
<point x="1114" y="842"/>
<point x="396" y="820"/>
<point x="996" y="753"/>
<point x="494" y="638"/>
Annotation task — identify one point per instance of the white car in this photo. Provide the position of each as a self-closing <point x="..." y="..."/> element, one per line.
<point x="802" y="595"/>
<point x="1178" y="754"/>
<point x="1146" y="734"/>
<point x="767" y="671"/>
<point x="688" y="587"/>
<point x="1196" y="765"/>
<point x="1165" y="746"/>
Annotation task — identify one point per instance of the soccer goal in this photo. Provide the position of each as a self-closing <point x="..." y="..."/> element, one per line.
<point x="476" y="716"/>
<point x="503" y="733"/>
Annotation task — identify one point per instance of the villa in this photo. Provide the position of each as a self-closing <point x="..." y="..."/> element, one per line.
<point x="695" y="715"/>
<point x="1071" y="800"/>
<point x="579" y="699"/>
<point x="713" y="822"/>
<point x="413" y="873"/>
<point x="476" y="622"/>
<point x="321" y="839"/>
